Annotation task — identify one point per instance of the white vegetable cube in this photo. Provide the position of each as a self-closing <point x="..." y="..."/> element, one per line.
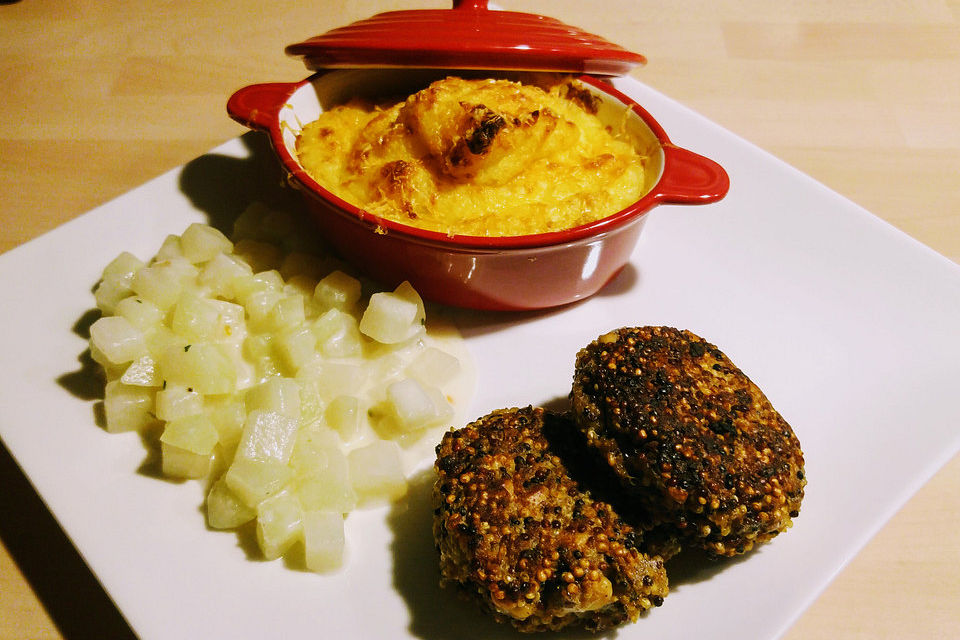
<point x="181" y="463"/>
<point x="376" y="471"/>
<point x="313" y="450"/>
<point x="228" y="415"/>
<point x="193" y="433"/>
<point x="288" y="312"/>
<point x="337" y="291"/>
<point x="297" y="347"/>
<point x="224" y="509"/>
<point x="276" y="225"/>
<point x="312" y="406"/>
<point x="117" y="339"/>
<point x="201" y="242"/>
<point x="259" y="304"/>
<point x="337" y="334"/>
<point x="231" y="323"/>
<point x="186" y="447"/>
<point x="259" y="255"/>
<point x="253" y="481"/>
<point x="415" y="406"/>
<point x="176" y="401"/>
<point x="302" y="285"/>
<point x="202" y="366"/>
<point x="277" y="395"/>
<point x="163" y="282"/>
<point x="141" y="313"/>
<point x="298" y="263"/>
<point x="278" y="524"/>
<point x="323" y="474"/>
<point x="160" y="338"/>
<point x="170" y="249"/>
<point x="111" y="371"/>
<point x="128" y="408"/>
<point x="268" y="435"/>
<point x="323" y="540"/>
<point x="258" y="350"/>
<point x="123" y="267"/>
<point x="389" y="367"/>
<point x="220" y="273"/>
<point x="434" y="367"/>
<point x="142" y="372"/>
<point x="334" y="379"/>
<point x="115" y="284"/>
<point x="248" y="223"/>
<point x="108" y="294"/>
<point x="195" y="318"/>
<point x="343" y="415"/>
<point x="389" y="318"/>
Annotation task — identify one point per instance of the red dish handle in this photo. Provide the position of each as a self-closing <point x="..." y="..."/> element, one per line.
<point x="690" y="178"/>
<point x="258" y="105"/>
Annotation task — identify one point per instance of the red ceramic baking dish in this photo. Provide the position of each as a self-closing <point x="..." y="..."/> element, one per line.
<point x="502" y="273"/>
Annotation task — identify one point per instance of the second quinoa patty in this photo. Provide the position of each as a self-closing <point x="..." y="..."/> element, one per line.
<point x="692" y="439"/>
<point x="517" y="533"/>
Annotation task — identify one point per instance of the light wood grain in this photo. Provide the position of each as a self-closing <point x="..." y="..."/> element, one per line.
<point x="98" y="96"/>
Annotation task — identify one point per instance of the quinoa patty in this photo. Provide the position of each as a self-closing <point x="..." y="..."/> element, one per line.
<point x="517" y="533"/>
<point x="693" y="440"/>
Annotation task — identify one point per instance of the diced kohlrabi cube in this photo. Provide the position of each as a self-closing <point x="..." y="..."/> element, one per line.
<point x="334" y="378"/>
<point x="187" y="446"/>
<point x="276" y="394"/>
<point x="225" y="510"/>
<point x="201" y="242"/>
<point x="278" y="524"/>
<point x="376" y="471"/>
<point x="389" y="318"/>
<point x="415" y="406"/>
<point x="255" y="480"/>
<point x="268" y="435"/>
<point x="203" y="367"/>
<point x="128" y="408"/>
<point x="142" y="372"/>
<point x="434" y="367"/>
<point x="163" y="282"/>
<point x="117" y="339"/>
<point x="343" y="415"/>
<point x="337" y="334"/>
<point x="141" y="313"/>
<point x="296" y="347"/>
<point x="337" y="291"/>
<point x="323" y="540"/>
<point x="196" y="318"/>
<point x="175" y="401"/>
<point x="220" y="273"/>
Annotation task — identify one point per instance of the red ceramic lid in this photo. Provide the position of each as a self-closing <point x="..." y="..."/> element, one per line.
<point x="469" y="36"/>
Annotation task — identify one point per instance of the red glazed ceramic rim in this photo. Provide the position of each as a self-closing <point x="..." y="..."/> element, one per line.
<point x="686" y="177"/>
<point x="469" y="36"/>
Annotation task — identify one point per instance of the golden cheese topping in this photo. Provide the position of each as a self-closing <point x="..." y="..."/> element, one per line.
<point x="480" y="157"/>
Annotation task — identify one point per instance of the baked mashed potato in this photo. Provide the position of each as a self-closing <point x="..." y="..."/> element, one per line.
<point x="480" y="157"/>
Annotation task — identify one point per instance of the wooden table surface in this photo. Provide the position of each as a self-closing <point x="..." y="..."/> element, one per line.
<point x="98" y="96"/>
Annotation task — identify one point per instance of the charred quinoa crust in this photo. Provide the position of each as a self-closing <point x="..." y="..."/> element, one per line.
<point x="692" y="439"/>
<point x="516" y="532"/>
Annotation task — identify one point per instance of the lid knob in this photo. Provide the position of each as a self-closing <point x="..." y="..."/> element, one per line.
<point x="469" y="4"/>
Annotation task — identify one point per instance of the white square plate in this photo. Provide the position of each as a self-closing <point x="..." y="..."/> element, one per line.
<point x="849" y="326"/>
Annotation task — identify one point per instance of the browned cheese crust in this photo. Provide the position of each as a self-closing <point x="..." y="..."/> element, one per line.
<point x="693" y="440"/>
<point x="516" y="533"/>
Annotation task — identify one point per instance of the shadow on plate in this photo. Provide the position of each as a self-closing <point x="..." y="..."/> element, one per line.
<point x="71" y="595"/>
<point x="223" y="186"/>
